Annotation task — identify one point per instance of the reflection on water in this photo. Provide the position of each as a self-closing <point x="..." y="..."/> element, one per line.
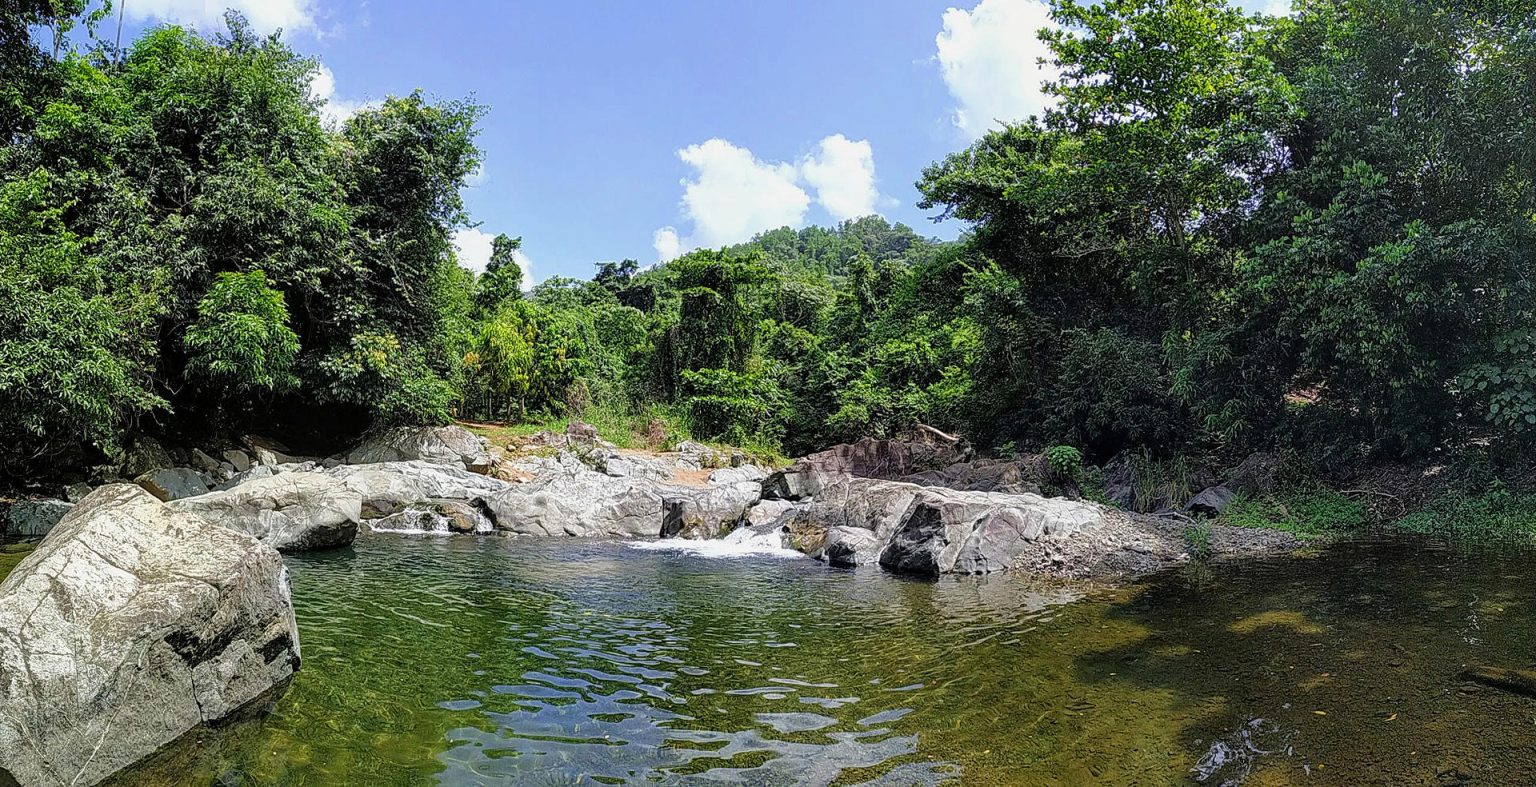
<point x="526" y="661"/>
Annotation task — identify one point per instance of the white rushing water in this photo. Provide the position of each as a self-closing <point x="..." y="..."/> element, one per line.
<point x="742" y="542"/>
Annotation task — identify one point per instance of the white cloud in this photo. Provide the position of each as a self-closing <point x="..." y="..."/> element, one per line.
<point x="732" y="195"/>
<point x="334" y="111"/>
<point x="474" y="251"/>
<point x="988" y="57"/>
<point x="667" y="244"/>
<point x="264" y="15"/>
<point x="842" y="172"/>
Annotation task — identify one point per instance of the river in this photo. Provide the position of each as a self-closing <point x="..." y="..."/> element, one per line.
<point x="463" y="660"/>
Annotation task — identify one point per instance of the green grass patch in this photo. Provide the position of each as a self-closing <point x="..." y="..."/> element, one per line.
<point x="1306" y="513"/>
<point x="1493" y="515"/>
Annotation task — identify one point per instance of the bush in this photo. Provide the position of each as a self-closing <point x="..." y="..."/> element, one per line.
<point x="732" y="406"/>
<point x="1307" y="513"/>
<point x="1110" y="393"/>
<point x="241" y="342"/>
<point x="1065" y="461"/>
<point x="1493" y="515"/>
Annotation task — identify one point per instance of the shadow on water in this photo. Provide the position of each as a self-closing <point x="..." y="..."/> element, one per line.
<point x="501" y="661"/>
<point x="1339" y="668"/>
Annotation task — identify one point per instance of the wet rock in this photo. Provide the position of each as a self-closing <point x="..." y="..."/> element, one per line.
<point x="175" y="483"/>
<point x="74" y="493"/>
<point x="436" y="516"/>
<point x="453" y="446"/>
<point x="291" y="512"/>
<point x="706" y="513"/>
<point x="1210" y="502"/>
<point x="766" y="512"/>
<point x="34" y="518"/>
<point x="130" y="625"/>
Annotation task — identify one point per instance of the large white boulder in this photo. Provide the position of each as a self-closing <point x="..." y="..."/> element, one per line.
<point x="388" y="487"/>
<point x="291" y="512"/>
<point x="130" y="625"/>
<point x="454" y="446"/>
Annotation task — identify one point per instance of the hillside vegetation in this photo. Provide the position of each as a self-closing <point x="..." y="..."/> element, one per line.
<point x="1314" y="235"/>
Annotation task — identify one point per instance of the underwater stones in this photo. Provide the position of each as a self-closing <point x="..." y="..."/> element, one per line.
<point x="453" y="446"/>
<point x="291" y="512"/>
<point x="130" y="625"/>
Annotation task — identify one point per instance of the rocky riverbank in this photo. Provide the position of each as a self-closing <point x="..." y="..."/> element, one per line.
<point x="156" y="606"/>
<point x="919" y="505"/>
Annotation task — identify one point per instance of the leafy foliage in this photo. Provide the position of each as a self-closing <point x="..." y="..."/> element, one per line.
<point x="240" y="340"/>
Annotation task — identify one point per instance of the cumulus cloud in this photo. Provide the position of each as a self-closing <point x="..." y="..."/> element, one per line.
<point x="264" y="15"/>
<point x="842" y="171"/>
<point x="335" y="111"/>
<point x="474" y="252"/>
<point x="989" y="58"/>
<point x="733" y="195"/>
<point x="667" y="244"/>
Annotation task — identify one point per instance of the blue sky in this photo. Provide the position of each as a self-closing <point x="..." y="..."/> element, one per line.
<point x="641" y="129"/>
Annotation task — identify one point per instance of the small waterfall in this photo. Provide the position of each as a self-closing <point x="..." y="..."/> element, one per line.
<point x="741" y="542"/>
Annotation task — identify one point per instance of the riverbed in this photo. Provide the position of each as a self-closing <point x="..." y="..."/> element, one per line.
<point x="463" y="660"/>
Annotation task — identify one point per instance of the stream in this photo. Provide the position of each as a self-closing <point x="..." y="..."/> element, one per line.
<point x="463" y="660"/>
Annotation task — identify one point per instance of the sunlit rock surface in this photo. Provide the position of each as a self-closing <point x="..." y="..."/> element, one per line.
<point x="131" y="624"/>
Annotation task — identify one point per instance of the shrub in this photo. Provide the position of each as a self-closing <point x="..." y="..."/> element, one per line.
<point x="240" y="341"/>
<point x="1307" y="513"/>
<point x="1065" y="461"/>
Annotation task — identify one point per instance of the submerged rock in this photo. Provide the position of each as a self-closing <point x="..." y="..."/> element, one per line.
<point x="34" y="518"/>
<point x="291" y="512"/>
<point x="130" y="625"/>
<point x="454" y="446"/>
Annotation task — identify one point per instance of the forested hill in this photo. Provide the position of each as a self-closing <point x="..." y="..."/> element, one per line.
<point x="1231" y="232"/>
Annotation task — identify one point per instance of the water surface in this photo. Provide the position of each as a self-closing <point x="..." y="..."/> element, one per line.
<point x="434" y="660"/>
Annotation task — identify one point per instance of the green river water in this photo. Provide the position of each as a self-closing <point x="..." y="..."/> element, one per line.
<point x="463" y="660"/>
